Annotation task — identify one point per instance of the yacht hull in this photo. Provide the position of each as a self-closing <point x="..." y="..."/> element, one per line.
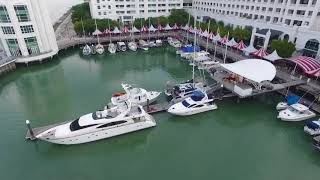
<point x="189" y="112"/>
<point x="103" y="133"/>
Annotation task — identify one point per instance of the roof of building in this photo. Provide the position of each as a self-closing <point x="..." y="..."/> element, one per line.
<point x="255" y="70"/>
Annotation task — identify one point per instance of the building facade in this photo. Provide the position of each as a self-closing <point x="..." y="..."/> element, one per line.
<point x="26" y="31"/>
<point x="297" y="20"/>
<point x="128" y="10"/>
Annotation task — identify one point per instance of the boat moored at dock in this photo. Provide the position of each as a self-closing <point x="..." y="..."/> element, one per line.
<point x="132" y="46"/>
<point x="143" y="45"/>
<point x="112" y="48"/>
<point x="106" y="123"/>
<point x="174" y="42"/>
<point x="99" y="48"/>
<point x="316" y="142"/>
<point x="86" y="50"/>
<point x="121" y="46"/>
<point x="312" y="127"/>
<point x="296" y="112"/>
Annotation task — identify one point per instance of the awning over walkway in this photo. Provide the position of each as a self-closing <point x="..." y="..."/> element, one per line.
<point x="309" y="65"/>
<point x="253" y="69"/>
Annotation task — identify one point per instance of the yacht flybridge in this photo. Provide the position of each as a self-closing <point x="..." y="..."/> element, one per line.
<point x="198" y="102"/>
<point x="120" y="119"/>
<point x="296" y="112"/>
<point x="136" y="95"/>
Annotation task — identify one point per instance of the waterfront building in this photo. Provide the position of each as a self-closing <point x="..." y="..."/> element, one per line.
<point x="296" y="20"/>
<point x="26" y="31"/>
<point x="128" y="10"/>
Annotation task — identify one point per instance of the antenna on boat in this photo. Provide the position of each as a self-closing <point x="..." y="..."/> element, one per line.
<point x="215" y="46"/>
<point x="109" y="30"/>
<point x="187" y="29"/>
<point x="208" y="35"/>
<point x="95" y="22"/>
<point x="194" y="49"/>
<point x="225" y="52"/>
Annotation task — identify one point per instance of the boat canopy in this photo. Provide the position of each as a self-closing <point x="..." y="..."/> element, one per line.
<point x="255" y="70"/>
<point x="292" y="99"/>
<point x="197" y="96"/>
<point x="187" y="49"/>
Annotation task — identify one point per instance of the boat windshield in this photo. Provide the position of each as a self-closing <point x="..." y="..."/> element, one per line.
<point x="104" y="115"/>
<point x="185" y="103"/>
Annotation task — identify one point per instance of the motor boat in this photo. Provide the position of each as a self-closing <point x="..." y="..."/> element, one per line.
<point x="208" y="64"/>
<point x="316" y="142"/>
<point x="112" y="48"/>
<point x="198" y="102"/>
<point x="106" y="123"/>
<point x="136" y="95"/>
<point x="183" y="90"/>
<point x="188" y="50"/>
<point x="93" y="49"/>
<point x="86" y="50"/>
<point x="296" y="112"/>
<point x="152" y="44"/>
<point x="99" y="48"/>
<point x="312" y="127"/>
<point x="159" y="42"/>
<point x="132" y="46"/>
<point x="196" y="55"/>
<point x="289" y="100"/>
<point x="121" y="46"/>
<point x="143" y="45"/>
<point x="174" y="42"/>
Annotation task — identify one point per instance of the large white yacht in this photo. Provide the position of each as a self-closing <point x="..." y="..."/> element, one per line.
<point x="112" y="48"/>
<point x="198" y="102"/>
<point x="136" y="95"/>
<point x="183" y="90"/>
<point x="132" y="46"/>
<point x="312" y="127"/>
<point x="120" y="119"/>
<point x="296" y="112"/>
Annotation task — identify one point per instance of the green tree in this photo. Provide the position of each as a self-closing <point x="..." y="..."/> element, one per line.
<point x="139" y="22"/>
<point x="81" y="11"/>
<point x="283" y="47"/>
<point x="179" y="16"/>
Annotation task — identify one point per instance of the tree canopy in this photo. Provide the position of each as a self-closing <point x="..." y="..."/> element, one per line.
<point x="283" y="47"/>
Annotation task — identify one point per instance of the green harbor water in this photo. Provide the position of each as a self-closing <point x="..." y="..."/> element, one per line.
<point x="242" y="141"/>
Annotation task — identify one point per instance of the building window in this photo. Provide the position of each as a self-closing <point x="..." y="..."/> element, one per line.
<point x="7" y="30"/>
<point x="4" y="16"/>
<point x="22" y="13"/>
<point x="13" y="47"/>
<point x="27" y="29"/>
<point x="32" y="45"/>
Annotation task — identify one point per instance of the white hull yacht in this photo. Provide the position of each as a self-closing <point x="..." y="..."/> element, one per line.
<point x="312" y="127"/>
<point x="143" y="45"/>
<point x="121" y="46"/>
<point x="296" y="112"/>
<point x="159" y="42"/>
<point x="112" y="48"/>
<point x="174" y="42"/>
<point x="86" y="50"/>
<point x="136" y="95"/>
<point x="132" y="46"/>
<point x="152" y="44"/>
<point x="100" y="49"/>
<point x="93" y="50"/>
<point x="198" y="102"/>
<point x="183" y="90"/>
<point x="101" y="124"/>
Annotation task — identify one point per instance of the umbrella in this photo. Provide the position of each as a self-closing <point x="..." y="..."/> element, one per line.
<point x="224" y="40"/>
<point x="240" y="45"/>
<point x="211" y="36"/>
<point x="125" y="29"/>
<point x="260" y="53"/>
<point x="144" y="29"/>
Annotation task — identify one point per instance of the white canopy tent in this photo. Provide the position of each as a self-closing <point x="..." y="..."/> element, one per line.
<point x="116" y="30"/>
<point x="249" y="49"/>
<point x="152" y="29"/>
<point x="96" y="32"/>
<point x="205" y="33"/>
<point x="168" y="27"/>
<point x="231" y="43"/>
<point x="255" y="70"/>
<point x="186" y="27"/>
<point x="216" y="38"/>
<point x="273" y="56"/>
<point x="134" y="30"/>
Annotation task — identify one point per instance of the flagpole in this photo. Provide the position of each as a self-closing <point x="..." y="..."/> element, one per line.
<point x="225" y="53"/>
<point x="208" y="36"/>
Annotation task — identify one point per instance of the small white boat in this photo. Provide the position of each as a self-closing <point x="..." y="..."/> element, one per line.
<point x="106" y="123"/>
<point x="152" y="44"/>
<point x="86" y="50"/>
<point x="208" y="64"/>
<point x="99" y="48"/>
<point x="316" y="142"/>
<point x="312" y="127"/>
<point x="198" y="102"/>
<point x="281" y="106"/>
<point x="289" y="100"/>
<point x="93" y="50"/>
<point x="143" y="45"/>
<point x="112" y="48"/>
<point x="159" y="42"/>
<point x="135" y="95"/>
<point x="184" y="90"/>
<point x="196" y="55"/>
<point x="296" y="112"/>
<point x="174" y="42"/>
<point x="132" y="46"/>
<point x="121" y="46"/>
